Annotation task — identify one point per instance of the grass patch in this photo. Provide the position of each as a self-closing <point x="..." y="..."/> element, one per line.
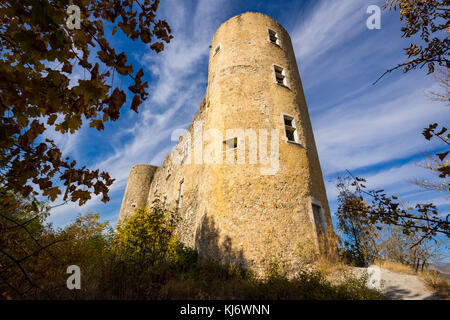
<point x="436" y="282"/>
<point x="395" y="267"/>
<point x="144" y="260"/>
<point x="208" y="280"/>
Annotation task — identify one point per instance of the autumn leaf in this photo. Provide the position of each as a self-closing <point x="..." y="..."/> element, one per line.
<point x="35" y="43"/>
<point x="52" y="193"/>
<point x="98" y="124"/>
<point x="136" y="102"/>
<point x="442" y="155"/>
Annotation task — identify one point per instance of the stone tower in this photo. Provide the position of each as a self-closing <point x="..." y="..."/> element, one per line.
<point x="245" y="177"/>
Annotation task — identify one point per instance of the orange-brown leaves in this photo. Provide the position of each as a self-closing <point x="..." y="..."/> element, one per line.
<point x="39" y="56"/>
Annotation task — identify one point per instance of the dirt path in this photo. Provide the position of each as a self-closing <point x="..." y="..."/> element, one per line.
<point x="402" y="286"/>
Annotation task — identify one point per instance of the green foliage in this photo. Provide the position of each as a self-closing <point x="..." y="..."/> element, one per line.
<point x="35" y="257"/>
<point x="397" y="247"/>
<point x="437" y="282"/>
<point x="358" y="242"/>
<point x="21" y="235"/>
<point x="428" y="22"/>
<point x="148" y="234"/>
<point x="309" y="285"/>
<point x="424" y="220"/>
<point x="39" y="56"/>
<point x="147" y="240"/>
<point x="382" y="229"/>
<point x="144" y="259"/>
<point x="438" y="163"/>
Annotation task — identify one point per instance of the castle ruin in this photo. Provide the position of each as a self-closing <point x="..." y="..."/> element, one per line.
<point x="245" y="177"/>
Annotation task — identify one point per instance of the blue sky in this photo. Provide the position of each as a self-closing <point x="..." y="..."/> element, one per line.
<point x="374" y="131"/>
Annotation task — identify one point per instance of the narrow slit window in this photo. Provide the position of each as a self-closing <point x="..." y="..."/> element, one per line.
<point x="180" y="194"/>
<point x="280" y="75"/>
<point x="273" y="37"/>
<point x="216" y="50"/>
<point x="230" y="143"/>
<point x="290" y="128"/>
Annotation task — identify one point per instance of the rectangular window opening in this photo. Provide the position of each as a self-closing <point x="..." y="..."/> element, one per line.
<point x="290" y="135"/>
<point x="216" y="50"/>
<point x="290" y="128"/>
<point x="273" y="37"/>
<point x="288" y="121"/>
<point x="280" y="75"/>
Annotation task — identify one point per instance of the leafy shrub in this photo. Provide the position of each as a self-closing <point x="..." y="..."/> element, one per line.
<point x="434" y="281"/>
<point x="144" y="259"/>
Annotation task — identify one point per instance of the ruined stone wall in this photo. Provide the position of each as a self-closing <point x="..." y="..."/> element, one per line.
<point x="179" y="167"/>
<point x="259" y="214"/>
<point x="136" y="191"/>
<point x="259" y="207"/>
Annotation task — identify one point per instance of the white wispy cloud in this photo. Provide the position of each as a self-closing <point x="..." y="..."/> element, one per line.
<point x="330" y="24"/>
<point x="365" y="132"/>
<point x="357" y="126"/>
<point x="177" y="86"/>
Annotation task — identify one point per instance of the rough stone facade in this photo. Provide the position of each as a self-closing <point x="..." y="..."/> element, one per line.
<point x="272" y="199"/>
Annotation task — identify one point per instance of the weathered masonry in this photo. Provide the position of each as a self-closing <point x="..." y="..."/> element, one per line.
<point x="245" y="177"/>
